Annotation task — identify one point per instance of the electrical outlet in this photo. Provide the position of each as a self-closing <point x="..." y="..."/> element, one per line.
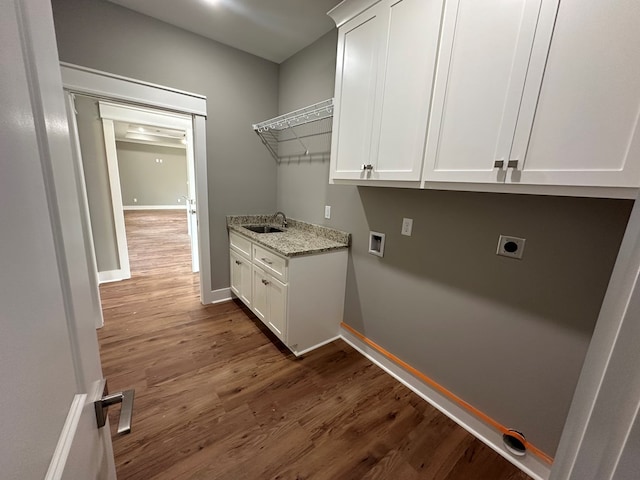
<point x="407" y="226"/>
<point x="512" y="247"/>
<point x="327" y="211"/>
<point x="135" y="200"/>
<point x="179" y="200"/>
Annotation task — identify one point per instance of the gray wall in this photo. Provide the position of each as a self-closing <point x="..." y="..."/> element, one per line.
<point x="306" y="78"/>
<point x="96" y="175"/>
<point x="148" y="181"/>
<point x="507" y="336"/>
<point x="241" y="89"/>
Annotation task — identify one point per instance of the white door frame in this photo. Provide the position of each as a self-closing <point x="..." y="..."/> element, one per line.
<point x="81" y="80"/>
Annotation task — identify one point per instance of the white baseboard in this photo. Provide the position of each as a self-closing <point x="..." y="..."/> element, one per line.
<point x="321" y="344"/>
<point x="113" y="276"/>
<point x="218" y="296"/>
<point x="530" y="464"/>
<point x="154" y="207"/>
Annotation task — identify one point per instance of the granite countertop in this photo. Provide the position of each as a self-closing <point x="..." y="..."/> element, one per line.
<point x="299" y="238"/>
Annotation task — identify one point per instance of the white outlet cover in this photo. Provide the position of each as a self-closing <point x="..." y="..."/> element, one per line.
<point x="512" y="247"/>
<point x="407" y="226"/>
<point x="327" y="211"/>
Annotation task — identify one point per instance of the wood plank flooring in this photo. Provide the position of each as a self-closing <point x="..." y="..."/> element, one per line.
<point x="218" y="397"/>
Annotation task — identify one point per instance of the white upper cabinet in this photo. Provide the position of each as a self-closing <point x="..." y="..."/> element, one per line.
<point x="586" y="129"/>
<point x="485" y="53"/>
<point x="521" y="96"/>
<point x="385" y="65"/>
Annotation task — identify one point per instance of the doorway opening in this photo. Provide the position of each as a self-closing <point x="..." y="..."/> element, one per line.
<point x="130" y="122"/>
<point x="134" y="159"/>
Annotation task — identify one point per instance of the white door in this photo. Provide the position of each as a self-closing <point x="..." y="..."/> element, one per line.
<point x="587" y="119"/>
<point x="49" y="361"/>
<point x="355" y="95"/>
<point x="277" y="307"/>
<point x="260" y="293"/>
<point x="240" y="277"/>
<point x="484" y="55"/>
<point x="409" y="60"/>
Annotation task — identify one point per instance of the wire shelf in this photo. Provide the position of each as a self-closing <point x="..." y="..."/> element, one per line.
<point x="303" y="133"/>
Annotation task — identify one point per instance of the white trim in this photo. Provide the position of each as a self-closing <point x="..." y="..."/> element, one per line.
<point x="111" y="276"/>
<point x="202" y="210"/>
<point x="321" y="344"/>
<point x="93" y="82"/>
<point x="74" y="137"/>
<point x="555" y="190"/>
<point x="154" y="207"/>
<point x="61" y="453"/>
<point x="192" y="204"/>
<point x="219" y="296"/>
<point x="529" y="464"/>
<point x="144" y="116"/>
<point x="116" y="196"/>
<point x="345" y="11"/>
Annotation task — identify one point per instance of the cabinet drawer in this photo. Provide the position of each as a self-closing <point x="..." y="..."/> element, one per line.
<point x="240" y="244"/>
<point x="270" y="262"/>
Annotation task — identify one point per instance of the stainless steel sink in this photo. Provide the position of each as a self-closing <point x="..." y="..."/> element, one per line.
<point x="263" y="228"/>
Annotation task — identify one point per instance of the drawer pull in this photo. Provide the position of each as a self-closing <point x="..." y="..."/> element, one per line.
<point x="238" y="262"/>
<point x="264" y="282"/>
<point x="267" y="261"/>
<point x="498" y="164"/>
<point x="513" y="164"/>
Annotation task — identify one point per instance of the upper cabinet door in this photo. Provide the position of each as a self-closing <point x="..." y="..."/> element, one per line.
<point x="355" y="94"/>
<point x="409" y="59"/>
<point x="384" y="77"/>
<point x="586" y="128"/>
<point x="485" y="52"/>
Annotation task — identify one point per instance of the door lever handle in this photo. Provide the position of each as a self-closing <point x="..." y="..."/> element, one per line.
<point x="126" y="412"/>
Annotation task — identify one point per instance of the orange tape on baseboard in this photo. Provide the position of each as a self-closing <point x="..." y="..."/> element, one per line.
<point x="436" y="386"/>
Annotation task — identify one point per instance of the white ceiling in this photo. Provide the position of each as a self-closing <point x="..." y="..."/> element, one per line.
<point x="271" y="29"/>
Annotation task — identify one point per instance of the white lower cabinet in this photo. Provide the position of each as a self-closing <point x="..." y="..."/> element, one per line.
<point x="270" y="301"/>
<point x="241" y="277"/>
<point x="300" y="299"/>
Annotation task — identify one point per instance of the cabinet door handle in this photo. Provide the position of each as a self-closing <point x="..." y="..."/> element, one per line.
<point x="367" y="166"/>
<point x="513" y="164"/>
<point x="498" y="164"/>
<point x="267" y="261"/>
<point x="238" y="262"/>
<point x="264" y="282"/>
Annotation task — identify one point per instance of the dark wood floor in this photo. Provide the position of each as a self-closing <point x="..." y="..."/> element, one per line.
<point x="217" y="397"/>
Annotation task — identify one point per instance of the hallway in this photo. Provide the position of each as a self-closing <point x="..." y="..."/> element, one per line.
<point x="218" y="397"/>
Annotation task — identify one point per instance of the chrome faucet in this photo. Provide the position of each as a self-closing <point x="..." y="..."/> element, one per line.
<point x="284" y="219"/>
